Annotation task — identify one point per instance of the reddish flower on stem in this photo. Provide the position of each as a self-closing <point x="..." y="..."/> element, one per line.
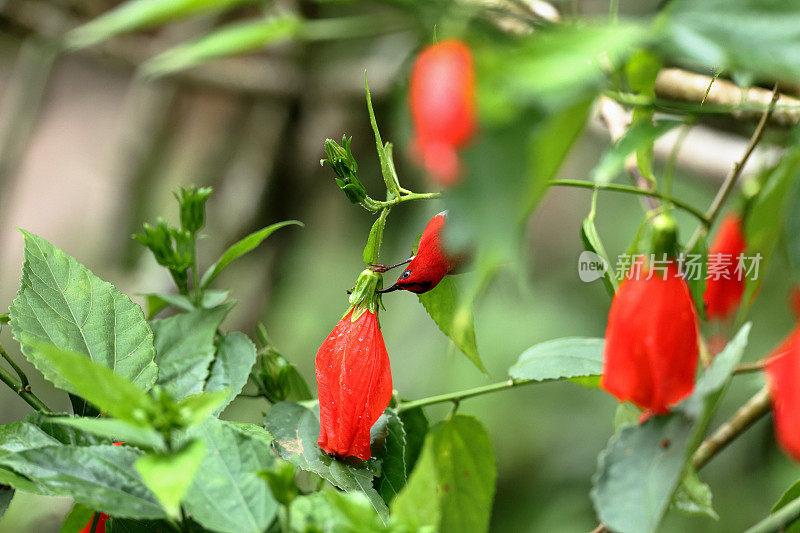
<point x="442" y="107"/>
<point x="353" y="375"/>
<point x="783" y="375"/>
<point x="101" y="524"/>
<point x="651" y="348"/>
<point x="725" y="283"/>
<point x="432" y="262"/>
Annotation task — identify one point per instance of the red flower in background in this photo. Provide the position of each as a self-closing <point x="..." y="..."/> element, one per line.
<point x="355" y="384"/>
<point x="101" y="524"/>
<point x="442" y="107"/>
<point x="783" y="375"/>
<point x="725" y="285"/>
<point x="651" y="349"/>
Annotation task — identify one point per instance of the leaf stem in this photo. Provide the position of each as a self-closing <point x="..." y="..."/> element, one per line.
<point x="456" y="397"/>
<point x="633" y="190"/>
<point x="195" y="274"/>
<point x="407" y="198"/>
<point x="23" y="391"/>
<point x="22" y="377"/>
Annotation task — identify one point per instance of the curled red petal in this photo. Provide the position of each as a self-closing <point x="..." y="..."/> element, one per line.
<point x="725" y="282"/>
<point x="355" y="385"/>
<point x="651" y="345"/>
<point x="783" y="375"/>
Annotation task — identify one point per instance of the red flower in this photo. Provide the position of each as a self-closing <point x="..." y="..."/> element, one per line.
<point x="725" y="285"/>
<point x="355" y="384"/>
<point x="651" y="349"/>
<point x="101" y="525"/>
<point x="442" y="107"/>
<point x="783" y="375"/>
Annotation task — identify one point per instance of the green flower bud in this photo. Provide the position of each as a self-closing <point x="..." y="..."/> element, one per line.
<point x="159" y="241"/>
<point x="193" y="207"/>
<point x="341" y="160"/>
<point x="665" y="236"/>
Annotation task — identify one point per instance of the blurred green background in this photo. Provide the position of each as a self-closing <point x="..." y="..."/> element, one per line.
<point x="88" y="152"/>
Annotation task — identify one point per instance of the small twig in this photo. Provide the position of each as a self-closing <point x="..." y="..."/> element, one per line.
<point x="23" y="386"/>
<point x="456" y="397"/>
<point x="754" y="366"/>
<point x="750" y="412"/>
<point x="778" y="520"/>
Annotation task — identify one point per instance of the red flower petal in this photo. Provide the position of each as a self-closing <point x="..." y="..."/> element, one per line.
<point x="355" y="385"/>
<point x="651" y="348"/>
<point x="722" y="296"/>
<point x="783" y="374"/>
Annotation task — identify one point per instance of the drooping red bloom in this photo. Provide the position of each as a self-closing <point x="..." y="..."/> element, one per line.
<point x="355" y="384"/>
<point x="783" y="375"/>
<point x="442" y="107"/>
<point x="101" y="524"/>
<point x="432" y="262"/>
<point x="651" y="347"/>
<point x="725" y="281"/>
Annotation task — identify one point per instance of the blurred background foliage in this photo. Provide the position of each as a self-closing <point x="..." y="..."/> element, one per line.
<point x="93" y="141"/>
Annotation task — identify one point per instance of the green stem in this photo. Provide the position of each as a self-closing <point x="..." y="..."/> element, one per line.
<point x="22" y="377"/>
<point x="285" y="519"/>
<point x="407" y="198"/>
<point x="95" y="522"/>
<point x="778" y="520"/>
<point x="195" y="273"/>
<point x="456" y="397"/>
<point x="633" y="190"/>
<point x="24" y="392"/>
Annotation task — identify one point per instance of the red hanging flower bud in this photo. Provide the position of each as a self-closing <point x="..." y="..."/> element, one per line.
<point x="783" y="375"/>
<point x="354" y="377"/>
<point x="442" y="107"/>
<point x="432" y="262"/>
<point x="651" y="348"/>
<point x="101" y="524"/>
<point x="725" y="285"/>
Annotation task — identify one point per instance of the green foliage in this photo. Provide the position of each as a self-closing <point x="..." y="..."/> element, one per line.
<point x="61" y="302"/>
<point x="454" y="319"/>
<point x="693" y="496"/>
<point x="235" y="356"/>
<point x="344" y="165"/>
<point x="560" y="358"/>
<point x="76" y="520"/>
<point x="393" y="465"/>
<point x="452" y="486"/>
<point x="6" y="495"/>
<point x="275" y="377"/>
<point x="639" y="134"/>
<point x="168" y="475"/>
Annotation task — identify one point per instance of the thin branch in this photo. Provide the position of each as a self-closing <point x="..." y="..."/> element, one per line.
<point x="456" y="397"/>
<point x="778" y="520"/>
<point x="754" y="366"/>
<point x="24" y="384"/>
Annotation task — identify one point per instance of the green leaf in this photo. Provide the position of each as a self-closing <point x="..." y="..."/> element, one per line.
<point x="791" y="230"/>
<point x="393" y="462"/>
<point x="227" y="494"/>
<point x="6" y="495"/>
<point x="138" y="14"/>
<point x="232" y="39"/>
<point x="697" y="280"/>
<point x="384" y="150"/>
<point x="195" y="408"/>
<point x="453" y="484"/>
<point x="127" y="525"/>
<point x="639" y="134"/>
<point x="242" y="247"/>
<point x="373" y="247"/>
<point x="61" y="302"/>
<point x="169" y="475"/>
<point x="296" y="430"/>
<point x="21" y="483"/>
<point x="118" y="430"/>
<point x="442" y="304"/>
<point x="791" y="494"/>
<point x="236" y="355"/>
<point x="415" y="425"/>
<point x="627" y="414"/>
<point x="98" y="384"/>
<point x="100" y="477"/>
<point x="593" y="243"/>
<point x="693" y="496"/>
<point x="638" y="472"/>
<point x="560" y="358"/>
<point x="185" y="348"/>
<point x="331" y="510"/>
<point x="754" y="37"/>
<point x="76" y="520"/>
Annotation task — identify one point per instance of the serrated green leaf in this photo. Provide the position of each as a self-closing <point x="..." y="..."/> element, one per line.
<point x="442" y="305"/>
<point x="232" y="39"/>
<point x="185" y="348"/>
<point x="593" y="243"/>
<point x="453" y="484"/>
<point x="169" y="475"/>
<point x="195" y="408"/>
<point x="118" y="430"/>
<point x="61" y="302"/>
<point x="227" y="494"/>
<point x="693" y="496"/>
<point x="332" y="510"/>
<point x="138" y="14"/>
<point x="295" y="430"/>
<point x="242" y="247"/>
<point x="76" y="520"/>
<point x="100" y="477"/>
<point x="393" y="461"/>
<point x="639" y="134"/>
<point x="560" y="358"/>
<point x="236" y="355"/>
<point x="415" y="425"/>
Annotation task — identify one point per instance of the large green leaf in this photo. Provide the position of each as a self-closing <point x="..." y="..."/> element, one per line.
<point x="453" y="484"/>
<point x="61" y="302"/>
<point x="76" y="520"/>
<point x="168" y="475"/>
<point x="98" y="384"/>
<point x="442" y="305"/>
<point x="227" y="494"/>
<point x="332" y="510"/>
<point x="296" y="430"/>
<point x="236" y="355"/>
<point x="560" y="358"/>
<point x="185" y="348"/>
<point x="753" y="37"/>
<point x="135" y="14"/>
<point x="6" y="495"/>
<point x="393" y="464"/>
<point x="100" y="477"/>
<point x="415" y="426"/>
<point x="242" y="247"/>
<point x="118" y="430"/>
<point x="232" y="39"/>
